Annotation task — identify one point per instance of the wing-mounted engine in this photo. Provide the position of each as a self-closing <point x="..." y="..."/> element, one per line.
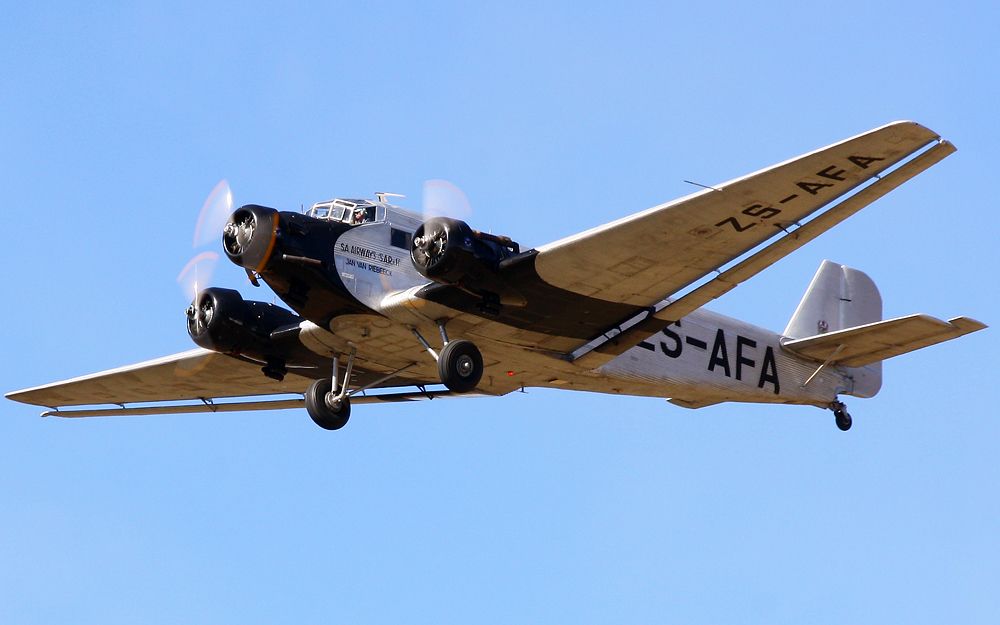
<point x="450" y="252"/>
<point x="222" y="321"/>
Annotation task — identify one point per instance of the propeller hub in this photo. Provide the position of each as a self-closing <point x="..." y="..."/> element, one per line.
<point x="200" y="314"/>
<point x="250" y="235"/>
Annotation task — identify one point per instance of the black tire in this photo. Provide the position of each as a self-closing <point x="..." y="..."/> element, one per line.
<point x="460" y="366"/>
<point x="322" y="414"/>
<point x="844" y="421"/>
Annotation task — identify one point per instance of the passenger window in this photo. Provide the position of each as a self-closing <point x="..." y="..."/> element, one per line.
<point x="400" y="238"/>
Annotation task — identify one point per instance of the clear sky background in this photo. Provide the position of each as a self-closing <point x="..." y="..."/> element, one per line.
<point x="549" y="507"/>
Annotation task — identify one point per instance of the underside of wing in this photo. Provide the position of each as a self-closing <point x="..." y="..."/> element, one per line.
<point x="193" y="375"/>
<point x="244" y="406"/>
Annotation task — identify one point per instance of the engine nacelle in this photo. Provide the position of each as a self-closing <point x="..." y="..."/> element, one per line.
<point x="450" y="252"/>
<point x="222" y="321"/>
<point x="249" y="236"/>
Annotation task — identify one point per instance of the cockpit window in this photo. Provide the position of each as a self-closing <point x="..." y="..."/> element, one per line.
<point x="353" y="212"/>
<point x="362" y="215"/>
<point x="326" y="211"/>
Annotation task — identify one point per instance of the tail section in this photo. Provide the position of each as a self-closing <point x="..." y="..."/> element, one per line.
<point x="839" y="321"/>
<point x="837" y="298"/>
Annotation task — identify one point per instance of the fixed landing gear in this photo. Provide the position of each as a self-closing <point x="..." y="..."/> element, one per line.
<point x="324" y="407"/>
<point x="328" y="400"/>
<point x="460" y="364"/>
<point x="841" y="415"/>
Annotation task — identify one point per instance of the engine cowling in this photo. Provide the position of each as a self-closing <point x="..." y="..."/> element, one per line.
<point x="450" y="252"/>
<point x="249" y="236"/>
<point x="222" y="321"/>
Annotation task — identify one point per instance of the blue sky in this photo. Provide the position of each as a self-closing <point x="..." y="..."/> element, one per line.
<point x="117" y="120"/>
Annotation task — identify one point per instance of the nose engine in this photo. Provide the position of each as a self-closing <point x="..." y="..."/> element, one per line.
<point x="249" y="236"/>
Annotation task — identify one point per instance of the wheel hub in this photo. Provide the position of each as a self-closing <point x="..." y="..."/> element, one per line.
<point x="465" y="365"/>
<point x="333" y="402"/>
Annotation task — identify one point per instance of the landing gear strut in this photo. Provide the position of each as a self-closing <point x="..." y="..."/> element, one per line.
<point x="328" y="401"/>
<point x="460" y="364"/>
<point x="841" y="415"/>
<point x="326" y="413"/>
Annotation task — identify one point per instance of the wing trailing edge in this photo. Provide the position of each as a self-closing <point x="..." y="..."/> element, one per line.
<point x="243" y="406"/>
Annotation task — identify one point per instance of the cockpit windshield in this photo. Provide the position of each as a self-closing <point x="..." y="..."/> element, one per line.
<point x="354" y="212"/>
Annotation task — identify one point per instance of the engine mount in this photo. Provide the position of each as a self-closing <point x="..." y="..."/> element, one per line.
<point x="450" y="252"/>
<point x="222" y="321"/>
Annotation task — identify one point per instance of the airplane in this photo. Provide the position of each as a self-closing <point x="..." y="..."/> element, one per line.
<point x="385" y="306"/>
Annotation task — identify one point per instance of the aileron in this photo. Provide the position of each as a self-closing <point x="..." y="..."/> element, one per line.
<point x="246" y="406"/>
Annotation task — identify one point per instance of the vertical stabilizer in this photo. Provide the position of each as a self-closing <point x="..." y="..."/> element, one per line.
<point x="838" y="298"/>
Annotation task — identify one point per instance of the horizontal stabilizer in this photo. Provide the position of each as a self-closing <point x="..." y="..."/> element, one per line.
<point x="874" y="342"/>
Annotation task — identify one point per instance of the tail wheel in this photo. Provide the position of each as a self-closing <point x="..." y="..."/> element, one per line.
<point x="460" y="366"/>
<point x="329" y="415"/>
<point x="844" y="420"/>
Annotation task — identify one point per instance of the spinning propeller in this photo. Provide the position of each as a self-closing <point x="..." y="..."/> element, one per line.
<point x="441" y="199"/>
<point x="198" y="272"/>
<point x="214" y="230"/>
<point x="207" y="230"/>
<point x="444" y="199"/>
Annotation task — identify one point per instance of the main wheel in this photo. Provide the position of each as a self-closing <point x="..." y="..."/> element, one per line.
<point x="460" y="366"/>
<point x="844" y="420"/>
<point x="321" y="412"/>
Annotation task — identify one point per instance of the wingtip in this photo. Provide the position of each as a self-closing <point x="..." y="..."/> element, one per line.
<point x="916" y="126"/>
<point x="22" y="396"/>
<point x="967" y="324"/>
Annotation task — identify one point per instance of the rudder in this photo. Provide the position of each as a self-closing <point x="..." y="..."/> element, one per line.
<point x="840" y="297"/>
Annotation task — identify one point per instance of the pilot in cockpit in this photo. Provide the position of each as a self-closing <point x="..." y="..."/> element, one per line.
<point x="362" y="215"/>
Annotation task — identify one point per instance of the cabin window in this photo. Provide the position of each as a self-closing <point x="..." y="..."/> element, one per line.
<point x="399" y="238"/>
